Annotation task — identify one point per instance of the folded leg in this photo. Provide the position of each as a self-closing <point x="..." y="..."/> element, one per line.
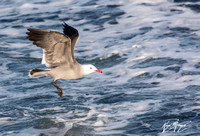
<point x="60" y="91"/>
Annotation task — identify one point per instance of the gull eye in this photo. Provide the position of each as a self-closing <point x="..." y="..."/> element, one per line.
<point x="90" y="67"/>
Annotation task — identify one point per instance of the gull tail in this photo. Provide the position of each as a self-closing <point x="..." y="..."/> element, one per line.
<point x="35" y="72"/>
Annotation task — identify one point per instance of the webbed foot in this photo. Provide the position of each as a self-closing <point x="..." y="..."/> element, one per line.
<point x="60" y="92"/>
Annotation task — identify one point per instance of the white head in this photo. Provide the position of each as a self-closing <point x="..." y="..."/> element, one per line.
<point x="88" y="69"/>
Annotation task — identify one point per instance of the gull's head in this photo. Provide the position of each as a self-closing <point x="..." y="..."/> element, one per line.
<point x="88" y="69"/>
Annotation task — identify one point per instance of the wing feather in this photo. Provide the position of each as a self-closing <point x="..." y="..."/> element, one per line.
<point x="56" y="46"/>
<point x="73" y="34"/>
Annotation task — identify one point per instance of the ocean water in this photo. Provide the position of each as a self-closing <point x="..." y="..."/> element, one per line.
<point x="148" y="50"/>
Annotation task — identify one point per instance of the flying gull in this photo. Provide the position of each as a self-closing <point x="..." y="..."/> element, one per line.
<point x="58" y="54"/>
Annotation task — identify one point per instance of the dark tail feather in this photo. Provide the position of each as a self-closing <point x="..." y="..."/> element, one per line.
<point x="33" y="71"/>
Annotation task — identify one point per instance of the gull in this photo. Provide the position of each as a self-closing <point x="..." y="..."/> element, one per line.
<point x="58" y="55"/>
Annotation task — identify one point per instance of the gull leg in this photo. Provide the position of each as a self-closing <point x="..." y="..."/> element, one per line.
<point x="60" y="91"/>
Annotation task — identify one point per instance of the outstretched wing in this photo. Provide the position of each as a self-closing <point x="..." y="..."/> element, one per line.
<point x="56" y="46"/>
<point x="73" y="34"/>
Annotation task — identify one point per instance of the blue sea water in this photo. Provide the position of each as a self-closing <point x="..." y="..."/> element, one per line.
<point x="148" y="51"/>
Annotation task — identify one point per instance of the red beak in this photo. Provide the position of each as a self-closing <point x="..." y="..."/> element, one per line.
<point x="98" y="70"/>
